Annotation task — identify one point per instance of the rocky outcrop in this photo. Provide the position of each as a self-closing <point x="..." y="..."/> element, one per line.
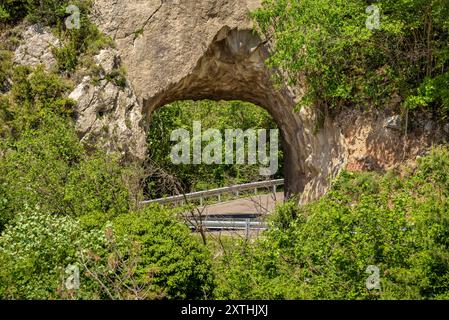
<point x="36" y="47"/>
<point x="108" y="114"/>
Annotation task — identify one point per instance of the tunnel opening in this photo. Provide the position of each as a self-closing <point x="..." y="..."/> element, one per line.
<point x="245" y="129"/>
<point x="225" y="60"/>
<point x="233" y="68"/>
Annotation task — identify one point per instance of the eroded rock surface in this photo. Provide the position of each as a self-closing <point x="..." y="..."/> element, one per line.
<point x="179" y="49"/>
<point x="36" y="47"/>
<point x="108" y="115"/>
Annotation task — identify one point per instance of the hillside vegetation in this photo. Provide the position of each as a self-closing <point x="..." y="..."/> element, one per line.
<point x="64" y="206"/>
<point x="394" y="53"/>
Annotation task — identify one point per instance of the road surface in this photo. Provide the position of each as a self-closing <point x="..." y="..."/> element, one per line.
<point x="260" y="204"/>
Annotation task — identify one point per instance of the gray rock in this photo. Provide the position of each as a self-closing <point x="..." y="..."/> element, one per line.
<point x="108" y="60"/>
<point x="446" y="128"/>
<point x="393" y="122"/>
<point x="429" y="126"/>
<point x="36" y="47"/>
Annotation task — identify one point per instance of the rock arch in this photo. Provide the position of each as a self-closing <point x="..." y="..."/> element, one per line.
<point x="177" y="50"/>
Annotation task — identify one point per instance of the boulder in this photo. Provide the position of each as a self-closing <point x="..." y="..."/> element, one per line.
<point x="108" y="115"/>
<point x="393" y="123"/>
<point x="36" y="47"/>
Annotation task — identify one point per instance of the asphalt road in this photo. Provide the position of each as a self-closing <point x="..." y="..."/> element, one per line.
<point x="260" y="204"/>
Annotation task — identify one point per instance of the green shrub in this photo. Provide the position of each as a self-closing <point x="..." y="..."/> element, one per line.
<point x="37" y="248"/>
<point x="220" y="115"/>
<point x="5" y="69"/>
<point x="12" y="10"/>
<point x="76" y="42"/>
<point x="180" y="265"/>
<point x="327" y="45"/>
<point x="322" y="250"/>
<point x="67" y="57"/>
<point x="35" y="169"/>
<point x="34" y="95"/>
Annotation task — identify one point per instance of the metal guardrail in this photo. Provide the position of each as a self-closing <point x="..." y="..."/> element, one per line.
<point x="231" y="225"/>
<point x="218" y="192"/>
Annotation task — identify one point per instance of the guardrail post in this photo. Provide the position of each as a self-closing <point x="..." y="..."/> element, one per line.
<point x="247" y="228"/>
<point x="274" y="188"/>
<point x="201" y="201"/>
<point x="219" y="197"/>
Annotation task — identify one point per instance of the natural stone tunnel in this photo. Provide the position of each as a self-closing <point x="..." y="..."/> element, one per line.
<point x="233" y="69"/>
<point x="179" y="50"/>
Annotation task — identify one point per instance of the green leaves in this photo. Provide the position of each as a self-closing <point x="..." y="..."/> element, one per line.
<point x="180" y="265"/>
<point x="322" y="250"/>
<point x="327" y="44"/>
<point x="44" y="165"/>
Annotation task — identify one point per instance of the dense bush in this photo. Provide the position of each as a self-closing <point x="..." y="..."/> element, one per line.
<point x="179" y="264"/>
<point x="56" y="198"/>
<point x="46" y="12"/>
<point x="44" y="165"/>
<point x="61" y="205"/>
<point x="77" y="42"/>
<point x="327" y="45"/>
<point x="322" y="250"/>
<point x="37" y="249"/>
<point x="34" y="94"/>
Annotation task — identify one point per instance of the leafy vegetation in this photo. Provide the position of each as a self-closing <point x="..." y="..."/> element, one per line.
<point x="212" y="115"/>
<point x="64" y="198"/>
<point x="36" y="269"/>
<point x="62" y="205"/>
<point x="180" y="265"/>
<point x="326" y="45"/>
<point x="322" y="250"/>
<point x="161" y="260"/>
